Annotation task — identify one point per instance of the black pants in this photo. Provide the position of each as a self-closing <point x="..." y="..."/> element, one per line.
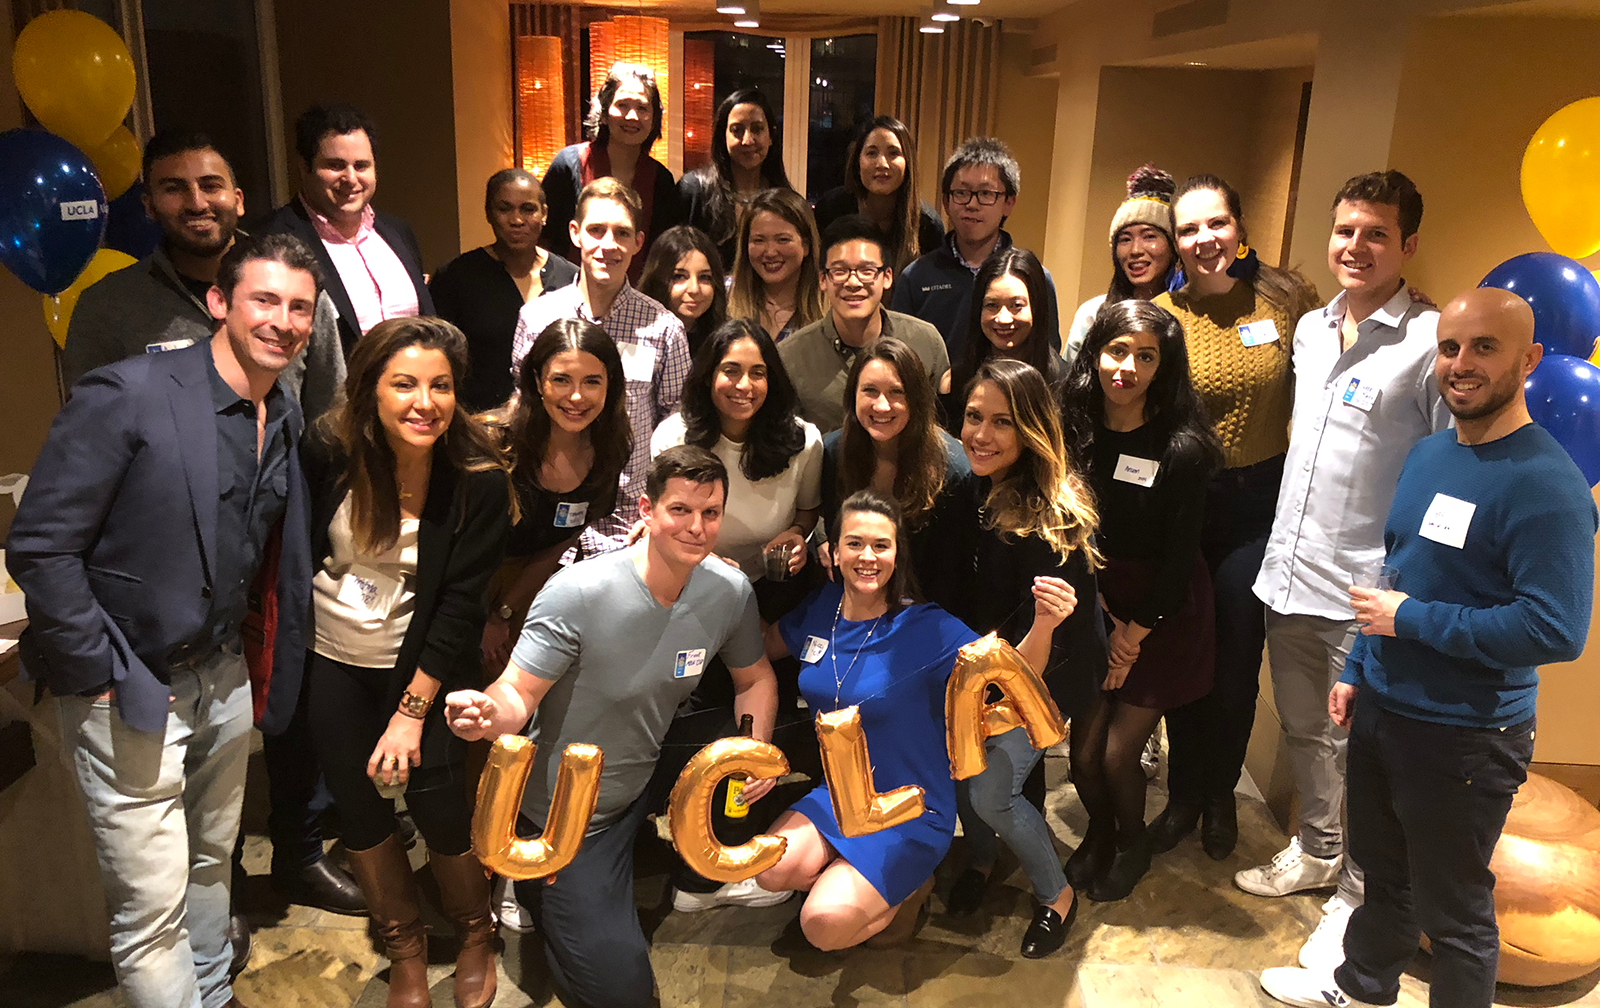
<point x="1208" y="737"/>
<point x="349" y="712"/>
<point x="1426" y="804"/>
<point x="297" y="795"/>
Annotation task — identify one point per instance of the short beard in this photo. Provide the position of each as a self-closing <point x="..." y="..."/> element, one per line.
<point x="1498" y="399"/>
<point x="183" y="242"/>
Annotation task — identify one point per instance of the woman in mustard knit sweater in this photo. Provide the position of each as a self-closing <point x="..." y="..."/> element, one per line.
<point x="1238" y="317"/>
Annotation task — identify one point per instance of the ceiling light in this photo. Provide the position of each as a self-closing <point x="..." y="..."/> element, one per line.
<point x="750" y="14"/>
<point x="730" y="7"/>
<point x="943" y="11"/>
<point x="931" y="27"/>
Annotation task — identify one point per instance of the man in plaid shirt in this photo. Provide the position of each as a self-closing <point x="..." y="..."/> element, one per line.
<point x="655" y="354"/>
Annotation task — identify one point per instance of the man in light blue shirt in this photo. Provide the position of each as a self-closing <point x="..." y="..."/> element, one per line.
<point x="1364" y="394"/>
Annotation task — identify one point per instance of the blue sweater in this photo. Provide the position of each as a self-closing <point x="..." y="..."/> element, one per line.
<point x="1481" y="618"/>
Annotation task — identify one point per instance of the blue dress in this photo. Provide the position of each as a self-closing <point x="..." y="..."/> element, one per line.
<point x="898" y="681"/>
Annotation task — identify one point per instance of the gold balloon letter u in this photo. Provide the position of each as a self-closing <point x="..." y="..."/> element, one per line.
<point x="968" y="721"/>
<point x="689" y="810"/>
<point x="494" y="824"/>
<point x="858" y="807"/>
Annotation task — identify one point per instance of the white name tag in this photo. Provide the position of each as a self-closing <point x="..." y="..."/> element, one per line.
<point x="689" y="664"/>
<point x="1359" y="395"/>
<point x="1136" y="470"/>
<point x="176" y="344"/>
<point x="370" y="591"/>
<point x="815" y="648"/>
<point x="1257" y="333"/>
<point x="570" y="514"/>
<point x="638" y="361"/>
<point x="1447" y="519"/>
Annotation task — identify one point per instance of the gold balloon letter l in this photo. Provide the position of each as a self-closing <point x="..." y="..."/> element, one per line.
<point x="494" y="824"/>
<point x="856" y="805"/>
<point x="690" y="810"/>
<point x="1027" y="703"/>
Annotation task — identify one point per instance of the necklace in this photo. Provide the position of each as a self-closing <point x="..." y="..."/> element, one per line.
<point x="833" y="652"/>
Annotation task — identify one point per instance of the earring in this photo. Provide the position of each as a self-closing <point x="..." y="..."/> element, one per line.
<point x="1244" y="250"/>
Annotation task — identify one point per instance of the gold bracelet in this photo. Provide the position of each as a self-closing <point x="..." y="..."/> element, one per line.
<point x="415" y="706"/>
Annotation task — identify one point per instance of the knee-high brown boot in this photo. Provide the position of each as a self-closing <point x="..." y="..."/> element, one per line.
<point x="464" y="892"/>
<point x="384" y="874"/>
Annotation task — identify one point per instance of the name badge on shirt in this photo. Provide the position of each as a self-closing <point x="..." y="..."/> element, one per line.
<point x="570" y="514"/>
<point x="1360" y="396"/>
<point x="1447" y="519"/>
<point x="1257" y="333"/>
<point x="638" y="361"/>
<point x="815" y="648"/>
<point x="689" y="664"/>
<point x="1136" y="470"/>
<point x="175" y="344"/>
<point x="370" y="591"/>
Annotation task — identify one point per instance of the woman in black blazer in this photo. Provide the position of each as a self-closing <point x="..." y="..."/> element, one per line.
<point x="409" y="513"/>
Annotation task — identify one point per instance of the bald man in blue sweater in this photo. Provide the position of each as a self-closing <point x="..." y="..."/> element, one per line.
<point x="1492" y="534"/>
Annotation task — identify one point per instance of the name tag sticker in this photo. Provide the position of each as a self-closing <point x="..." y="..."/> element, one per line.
<point x="689" y="664"/>
<point x="638" y="361"/>
<point x="570" y="514"/>
<point x="1359" y="395"/>
<point x="1447" y="519"/>
<point x="815" y="648"/>
<point x="1136" y="470"/>
<point x="80" y="209"/>
<point x="176" y="344"/>
<point x="1257" y="333"/>
<point x="369" y="591"/>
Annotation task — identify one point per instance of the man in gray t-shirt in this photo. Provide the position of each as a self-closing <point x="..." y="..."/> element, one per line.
<point x="609" y="649"/>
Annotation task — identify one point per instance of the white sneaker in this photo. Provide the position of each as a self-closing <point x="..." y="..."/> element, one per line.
<point x="1308" y="989"/>
<point x="1324" y="950"/>
<point x="512" y="915"/>
<point x="1291" y="871"/>
<point x="745" y="893"/>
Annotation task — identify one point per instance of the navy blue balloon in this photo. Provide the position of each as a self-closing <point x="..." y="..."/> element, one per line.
<point x="52" y="209"/>
<point x="1564" y="296"/>
<point x="1564" y="399"/>
<point x="130" y="229"/>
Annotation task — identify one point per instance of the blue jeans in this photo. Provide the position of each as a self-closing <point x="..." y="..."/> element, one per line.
<point x="164" y="809"/>
<point x="995" y="797"/>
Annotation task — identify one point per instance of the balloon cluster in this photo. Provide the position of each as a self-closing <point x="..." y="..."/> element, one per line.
<point x="77" y="78"/>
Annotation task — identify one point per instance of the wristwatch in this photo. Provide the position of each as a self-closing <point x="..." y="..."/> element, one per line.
<point x="415" y="706"/>
<point x="505" y="612"/>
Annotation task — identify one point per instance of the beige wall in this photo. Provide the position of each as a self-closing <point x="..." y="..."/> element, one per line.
<point x="480" y="47"/>
<point x="400" y="75"/>
<point x="1025" y="120"/>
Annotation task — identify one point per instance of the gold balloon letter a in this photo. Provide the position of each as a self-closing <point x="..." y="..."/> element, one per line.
<point x="494" y="824"/>
<point x="1027" y="704"/>
<point x="858" y="808"/>
<point x="690" y="810"/>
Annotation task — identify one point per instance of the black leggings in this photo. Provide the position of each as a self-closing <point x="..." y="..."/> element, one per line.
<point x="348" y="717"/>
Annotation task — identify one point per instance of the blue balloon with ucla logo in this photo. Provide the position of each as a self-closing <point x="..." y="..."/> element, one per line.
<point x="52" y="209"/>
<point x="1564" y="399"/>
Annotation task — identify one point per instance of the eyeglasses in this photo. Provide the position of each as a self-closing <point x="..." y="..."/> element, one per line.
<point x="986" y="197"/>
<point x="867" y="272"/>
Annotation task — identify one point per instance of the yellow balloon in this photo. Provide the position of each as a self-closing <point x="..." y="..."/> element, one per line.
<point x="1561" y="179"/>
<point x="75" y="74"/>
<point x="58" y="309"/>
<point x="117" y="162"/>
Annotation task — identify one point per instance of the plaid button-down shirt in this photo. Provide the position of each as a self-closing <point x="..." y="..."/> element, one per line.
<point x="655" y="360"/>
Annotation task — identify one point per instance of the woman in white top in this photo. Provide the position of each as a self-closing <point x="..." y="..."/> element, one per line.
<point x="409" y="513"/>
<point x="1143" y="254"/>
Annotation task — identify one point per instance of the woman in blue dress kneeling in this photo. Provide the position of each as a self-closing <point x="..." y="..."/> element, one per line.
<point x="864" y="640"/>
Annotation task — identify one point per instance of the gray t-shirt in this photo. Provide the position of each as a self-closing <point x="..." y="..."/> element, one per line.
<point x="621" y="665"/>
<point x="818" y="370"/>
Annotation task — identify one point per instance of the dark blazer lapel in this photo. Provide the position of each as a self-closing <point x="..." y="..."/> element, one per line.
<point x="434" y="529"/>
<point x="404" y="243"/>
<point x="194" y="415"/>
<point x="331" y="281"/>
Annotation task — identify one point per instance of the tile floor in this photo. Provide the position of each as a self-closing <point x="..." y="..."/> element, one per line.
<point x="1185" y="938"/>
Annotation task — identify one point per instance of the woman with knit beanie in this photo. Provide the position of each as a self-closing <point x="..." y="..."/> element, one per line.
<point x="1238" y="316"/>
<point x="1143" y="254"/>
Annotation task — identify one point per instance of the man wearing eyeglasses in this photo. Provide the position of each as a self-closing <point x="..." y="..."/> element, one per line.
<point x="980" y="185"/>
<point x="854" y="277"/>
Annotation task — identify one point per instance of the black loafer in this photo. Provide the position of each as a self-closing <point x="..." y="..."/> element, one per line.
<point x="966" y="895"/>
<point x="1093" y="857"/>
<point x="1220" y="831"/>
<point x="239" y="938"/>
<point x="325" y="886"/>
<point x="1175" y="822"/>
<point x="1048" y="932"/>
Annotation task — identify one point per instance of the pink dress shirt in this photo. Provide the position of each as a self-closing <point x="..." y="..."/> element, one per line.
<point x="373" y="275"/>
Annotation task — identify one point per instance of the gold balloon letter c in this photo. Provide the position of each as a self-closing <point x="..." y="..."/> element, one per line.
<point x="968" y="721"/>
<point x="689" y="809"/>
<point x="494" y="824"/>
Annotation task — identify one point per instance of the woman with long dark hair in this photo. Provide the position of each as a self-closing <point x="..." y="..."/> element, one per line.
<point x="409" y="513"/>
<point x="1026" y="531"/>
<point x="624" y="121"/>
<point x="684" y="273"/>
<point x="776" y="280"/>
<point x="746" y="157"/>
<point x="880" y="183"/>
<point x="1144" y="256"/>
<point x="1238" y="316"/>
<point x="1151" y="452"/>
<point x="1015" y="310"/>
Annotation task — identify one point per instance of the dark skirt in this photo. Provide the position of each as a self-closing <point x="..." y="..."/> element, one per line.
<point x="1176" y="660"/>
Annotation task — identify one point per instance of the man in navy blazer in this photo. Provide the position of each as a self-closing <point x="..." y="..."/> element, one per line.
<point x="147" y="513"/>
<point x="371" y="263"/>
